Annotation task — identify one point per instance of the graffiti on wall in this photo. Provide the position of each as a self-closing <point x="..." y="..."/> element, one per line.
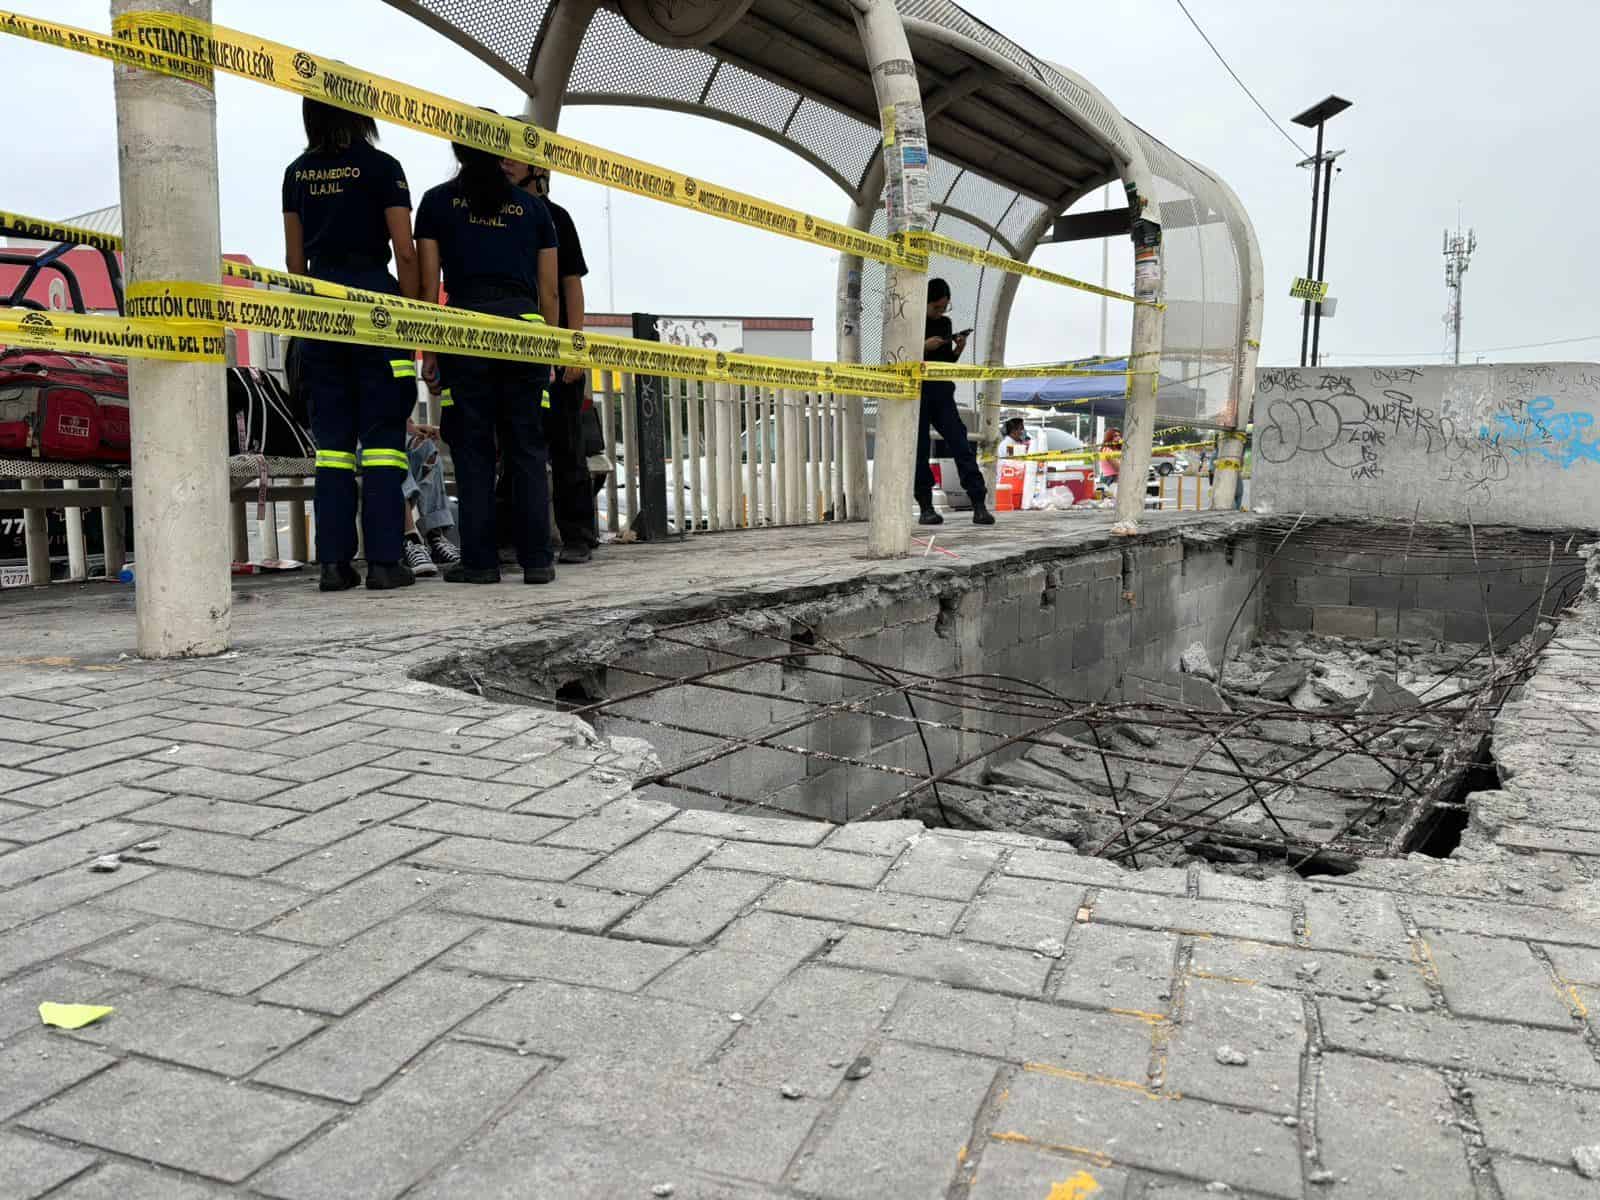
<point x="1535" y="419"/>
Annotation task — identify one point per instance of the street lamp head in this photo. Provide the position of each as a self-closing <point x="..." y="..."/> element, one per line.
<point x="1322" y="111"/>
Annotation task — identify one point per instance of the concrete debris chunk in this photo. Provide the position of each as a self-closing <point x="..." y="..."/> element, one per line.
<point x="1050" y="948"/>
<point x="106" y="863"/>
<point x="1195" y="661"/>
<point x="859" y="1069"/>
<point x="1587" y="1160"/>
<point x="663" y="1189"/>
<point x="789" y="1092"/>
<point x="1283" y="682"/>
<point x="1229" y="1057"/>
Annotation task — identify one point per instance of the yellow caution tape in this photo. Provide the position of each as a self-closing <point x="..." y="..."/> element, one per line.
<point x="933" y="243"/>
<point x="16" y="225"/>
<point x="192" y="49"/>
<point x="1229" y="464"/>
<point x="115" y="337"/>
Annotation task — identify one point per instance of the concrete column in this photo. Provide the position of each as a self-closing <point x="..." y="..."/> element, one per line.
<point x="854" y="467"/>
<point x="551" y="67"/>
<point x="167" y="155"/>
<point x="36" y="537"/>
<point x="905" y="159"/>
<point x="77" y="558"/>
<point x="1230" y="449"/>
<point x="1138" y="429"/>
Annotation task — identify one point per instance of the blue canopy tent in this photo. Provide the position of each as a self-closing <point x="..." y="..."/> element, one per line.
<point x="1100" y="395"/>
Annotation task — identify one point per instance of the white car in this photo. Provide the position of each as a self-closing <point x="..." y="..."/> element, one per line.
<point x="1042" y="439"/>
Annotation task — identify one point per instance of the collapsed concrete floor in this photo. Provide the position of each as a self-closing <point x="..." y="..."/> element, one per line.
<point x="1074" y="696"/>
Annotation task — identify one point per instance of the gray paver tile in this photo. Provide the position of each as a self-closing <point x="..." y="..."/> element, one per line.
<point x="855" y="906"/>
<point x="1323" y="972"/>
<point x="334" y="789"/>
<point x="435" y="762"/>
<point x="1526" y="1181"/>
<point x="197" y="1029"/>
<point x="69" y="850"/>
<point x="86" y="783"/>
<point x="73" y="761"/>
<point x="903" y="1130"/>
<point x="305" y="767"/>
<point x="216" y="785"/>
<point x="1576" y="965"/>
<point x="613" y="826"/>
<point x="60" y="933"/>
<point x="1023" y="912"/>
<point x="649" y="864"/>
<point x="747" y="827"/>
<point x="468" y="821"/>
<point x="56" y="892"/>
<point x="1541" y="1055"/>
<point x="227" y="735"/>
<point x="563" y="906"/>
<point x="15" y="730"/>
<point x="1123" y="969"/>
<point x="483" y="856"/>
<point x="1226" y="917"/>
<point x="181" y="1119"/>
<point x="23" y="708"/>
<point x="342" y="820"/>
<point x="340" y="863"/>
<point x="726" y="980"/>
<point x="874" y="837"/>
<point x="462" y="790"/>
<point x="82" y="739"/>
<point x="1496" y="979"/>
<point x="21" y="995"/>
<point x="1533" y="1121"/>
<point x="349" y="1059"/>
<point x="1361" y="922"/>
<point x="338" y="916"/>
<point x="1500" y="919"/>
<point x="1374" y="1116"/>
<point x="560" y="1020"/>
<point x="575" y="798"/>
<point x="522" y="952"/>
<point x="38" y="824"/>
<point x="399" y="1136"/>
<point x="31" y="1166"/>
<point x="226" y="903"/>
<point x="221" y="853"/>
<point x="20" y="754"/>
<point x="759" y="932"/>
<point x="1073" y="868"/>
<point x="215" y="816"/>
<point x="119" y="1181"/>
<point x="1277" y="890"/>
<point x="1104" y="1045"/>
<point x="1265" y="1024"/>
<point x="1188" y="1138"/>
<point x="816" y="1016"/>
<point x="231" y="759"/>
<point x="798" y="862"/>
<point x="943" y="867"/>
<point x="1006" y="1171"/>
<point x="231" y="963"/>
<point x="345" y="977"/>
<point x="961" y="964"/>
<point x="694" y="908"/>
<point x="37" y="1067"/>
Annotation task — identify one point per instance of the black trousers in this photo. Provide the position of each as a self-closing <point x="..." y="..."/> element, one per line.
<point x="939" y="414"/>
<point x="493" y="396"/>
<point x="571" y="488"/>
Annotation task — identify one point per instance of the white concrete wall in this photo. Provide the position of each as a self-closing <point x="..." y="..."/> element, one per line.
<point x="1509" y="445"/>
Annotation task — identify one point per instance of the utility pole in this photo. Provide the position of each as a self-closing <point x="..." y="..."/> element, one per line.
<point x="167" y="155"/>
<point x="1458" y="250"/>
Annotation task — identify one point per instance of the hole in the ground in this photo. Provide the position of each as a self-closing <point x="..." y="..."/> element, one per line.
<point x="1342" y="711"/>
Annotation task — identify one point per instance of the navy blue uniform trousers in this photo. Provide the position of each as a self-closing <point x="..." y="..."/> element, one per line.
<point x="359" y="396"/>
<point x="939" y="413"/>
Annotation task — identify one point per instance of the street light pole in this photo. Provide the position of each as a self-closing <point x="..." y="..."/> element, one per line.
<point x="1321" y="165"/>
<point x="1328" y="170"/>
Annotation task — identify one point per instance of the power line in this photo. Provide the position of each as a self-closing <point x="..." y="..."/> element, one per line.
<point x="1239" y="81"/>
<point x="1593" y="337"/>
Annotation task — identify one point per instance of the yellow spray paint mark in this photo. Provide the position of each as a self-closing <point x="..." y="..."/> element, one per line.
<point x="1225" y="978"/>
<point x="1097" y="1157"/>
<point x="1099" y="1080"/>
<point x="1579" y="1008"/>
<point x="1138" y="1014"/>
<point x="1422" y="955"/>
<point x="1079" y="1187"/>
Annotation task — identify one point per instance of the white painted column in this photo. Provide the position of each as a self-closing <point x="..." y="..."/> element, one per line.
<point x="1139" y="426"/>
<point x="167" y="159"/>
<point x="905" y="158"/>
<point x="77" y="557"/>
<point x="36" y="537"/>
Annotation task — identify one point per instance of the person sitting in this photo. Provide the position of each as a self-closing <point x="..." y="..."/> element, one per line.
<point x="1014" y="438"/>
<point x="428" y="518"/>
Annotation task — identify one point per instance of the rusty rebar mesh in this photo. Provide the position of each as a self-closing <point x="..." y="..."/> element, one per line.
<point x="1145" y="781"/>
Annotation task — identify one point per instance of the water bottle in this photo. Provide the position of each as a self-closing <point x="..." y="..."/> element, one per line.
<point x="125" y="575"/>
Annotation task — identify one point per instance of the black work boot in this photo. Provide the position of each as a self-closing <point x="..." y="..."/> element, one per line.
<point x="981" y="514"/>
<point x="464" y="574"/>
<point x="929" y="514"/>
<point x="385" y="577"/>
<point x="538" y="574"/>
<point x="338" y="577"/>
<point x="575" y="552"/>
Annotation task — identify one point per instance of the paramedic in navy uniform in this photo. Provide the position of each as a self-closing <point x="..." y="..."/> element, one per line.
<point x="495" y="247"/>
<point x="345" y="203"/>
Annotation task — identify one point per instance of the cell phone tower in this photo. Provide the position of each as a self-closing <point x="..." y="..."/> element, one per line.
<point x="1458" y="248"/>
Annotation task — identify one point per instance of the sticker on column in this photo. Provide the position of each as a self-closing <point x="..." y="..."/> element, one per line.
<point x="912" y="134"/>
<point x="1147" y="274"/>
<point x="887" y="118"/>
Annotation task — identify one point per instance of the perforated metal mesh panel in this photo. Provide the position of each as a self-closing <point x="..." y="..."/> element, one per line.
<point x="1205" y="266"/>
<point x="506" y="30"/>
<point x="614" y="60"/>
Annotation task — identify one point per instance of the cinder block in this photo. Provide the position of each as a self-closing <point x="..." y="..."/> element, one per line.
<point x="1449" y="594"/>
<point x="1289" y="616"/>
<point x="1088" y="645"/>
<point x="1320" y="590"/>
<point x="1345" y="621"/>
<point x="1422" y="623"/>
<point x="1382" y="591"/>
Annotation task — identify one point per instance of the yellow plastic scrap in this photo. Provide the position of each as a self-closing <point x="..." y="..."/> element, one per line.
<point x="72" y="1016"/>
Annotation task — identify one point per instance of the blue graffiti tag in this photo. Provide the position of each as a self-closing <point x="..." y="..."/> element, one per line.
<point x="1557" y="437"/>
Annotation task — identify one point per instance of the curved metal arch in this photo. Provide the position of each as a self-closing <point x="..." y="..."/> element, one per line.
<point x="439" y="25"/>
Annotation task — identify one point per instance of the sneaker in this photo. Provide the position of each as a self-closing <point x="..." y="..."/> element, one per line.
<point x="443" y="550"/>
<point x="385" y="577"/>
<point x="418" y="558"/>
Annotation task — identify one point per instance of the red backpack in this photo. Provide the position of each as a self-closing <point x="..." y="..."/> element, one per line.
<point x="63" y="408"/>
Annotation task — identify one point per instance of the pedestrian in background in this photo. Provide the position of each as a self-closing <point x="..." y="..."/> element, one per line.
<point x="937" y="411"/>
<point x="345" y="205"/>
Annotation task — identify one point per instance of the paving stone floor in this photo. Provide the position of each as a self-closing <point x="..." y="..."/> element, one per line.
<point x="394" y="941"/>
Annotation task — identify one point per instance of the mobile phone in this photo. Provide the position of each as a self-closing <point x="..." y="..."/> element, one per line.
<point x="964" y="333"/>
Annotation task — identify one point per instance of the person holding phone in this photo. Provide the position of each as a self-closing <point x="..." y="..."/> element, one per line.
<point x="938" y="412"/>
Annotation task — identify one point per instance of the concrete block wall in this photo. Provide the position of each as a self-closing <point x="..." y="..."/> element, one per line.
<point x="1436" y="592"/>
<point x="1104" y="624"/>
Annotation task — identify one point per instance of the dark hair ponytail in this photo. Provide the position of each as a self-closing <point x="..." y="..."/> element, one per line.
<point x="331" y="130"/>
<point x="481" y="181"/>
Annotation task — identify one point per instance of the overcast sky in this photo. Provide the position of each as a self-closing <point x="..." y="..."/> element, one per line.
<point x="1467" y="103"/>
